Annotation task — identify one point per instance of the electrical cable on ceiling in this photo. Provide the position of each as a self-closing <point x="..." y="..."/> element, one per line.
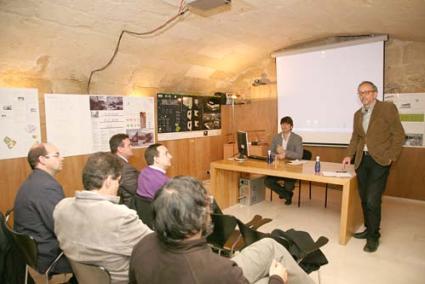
<point x="182" y="10"/>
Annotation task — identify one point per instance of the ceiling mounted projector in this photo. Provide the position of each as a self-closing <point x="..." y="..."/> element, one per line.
<point x="206" y="4"/>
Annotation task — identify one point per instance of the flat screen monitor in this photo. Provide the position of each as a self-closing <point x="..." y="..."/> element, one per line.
<point x="242" y="137"/>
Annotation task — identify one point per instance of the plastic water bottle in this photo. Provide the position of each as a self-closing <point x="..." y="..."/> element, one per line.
<point x="269" y="157"/>
<point x="317" y="165"/>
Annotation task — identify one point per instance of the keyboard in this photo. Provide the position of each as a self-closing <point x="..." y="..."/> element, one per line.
<point x="255" y="157"/>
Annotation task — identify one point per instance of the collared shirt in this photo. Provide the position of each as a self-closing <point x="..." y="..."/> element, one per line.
<point x="157" y="168"/>
<point x="367" y="113"/>
<point x="122" y="157"/>
<point x="285" y="141"/>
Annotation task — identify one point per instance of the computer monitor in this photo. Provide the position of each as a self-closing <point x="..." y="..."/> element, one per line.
<point x="242" y="137"/>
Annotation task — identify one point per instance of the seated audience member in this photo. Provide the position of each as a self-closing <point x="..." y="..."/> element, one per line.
<point x="120" y="145"/>
<point x="285" y="145"/>
<point x="34" y="204"/>
<point x="92" y="227"/>
<point x="153" y="176"/>
<point x="178" y="251"/>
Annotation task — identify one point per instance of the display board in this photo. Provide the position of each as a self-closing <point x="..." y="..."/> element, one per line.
<point x="19" y="122"/>
<point x="83" y="124"/>
<point x="181" y="116"/>
<point x="411" y="107"/>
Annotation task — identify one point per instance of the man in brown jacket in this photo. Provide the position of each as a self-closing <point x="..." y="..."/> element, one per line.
<point x="178" y="251"/>
<point x="376" y="142"/>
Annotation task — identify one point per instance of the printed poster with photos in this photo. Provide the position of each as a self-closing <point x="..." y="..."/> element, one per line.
<point x="411" y="107"/>
<point x="182" y="116"/>
<point x="91" y="121"/>
<point x="19" y="121"/>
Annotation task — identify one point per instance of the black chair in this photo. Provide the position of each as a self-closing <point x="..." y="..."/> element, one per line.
<point x="224" y="226"/>
<point x="143" y="207"/>
<point x="249" y="234"/>
<point x="304" y="249"/>
<point x="27" y="246"/>
<point x="306" y="156"/>
<point x="89" y="273"/>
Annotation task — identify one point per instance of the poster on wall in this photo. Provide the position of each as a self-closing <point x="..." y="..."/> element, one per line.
<point x="19" y="122"/>
<point x="411" y="107"/>
<point x="83" y="124"/>
<point x="182" y="116"/>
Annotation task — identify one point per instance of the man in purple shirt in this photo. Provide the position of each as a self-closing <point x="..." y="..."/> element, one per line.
<point x="153" y="177"/>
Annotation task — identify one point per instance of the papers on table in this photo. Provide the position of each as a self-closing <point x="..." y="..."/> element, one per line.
<point x="336" y="174"/>
<point x="297" y="162"/>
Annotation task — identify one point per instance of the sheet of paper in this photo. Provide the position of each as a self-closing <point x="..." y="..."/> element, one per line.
<point x="297" y="162"/>
<point x="336" y="174"/>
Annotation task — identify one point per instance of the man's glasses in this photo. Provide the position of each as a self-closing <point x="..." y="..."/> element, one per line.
<point x="53" y="155"/>
<point x="367" y="92"/>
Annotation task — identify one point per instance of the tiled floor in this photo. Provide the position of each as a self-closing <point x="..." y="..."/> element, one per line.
<point x="401" y="254"/>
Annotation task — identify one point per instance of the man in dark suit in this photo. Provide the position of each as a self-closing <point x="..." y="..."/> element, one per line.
<point x="35" y="202"/>
<point x="376" y="142"/>
<point x="285" y="145"/>
<point x="120" y="145"/>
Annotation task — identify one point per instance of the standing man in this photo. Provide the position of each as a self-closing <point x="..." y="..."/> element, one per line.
<point x="34" y="204"/>
<point x="153" y="177"/>
<point x="285" y="145"/>
<point x="92" y="227"/>
<point x="376" y="142"/>
<point x="120" y="145"/>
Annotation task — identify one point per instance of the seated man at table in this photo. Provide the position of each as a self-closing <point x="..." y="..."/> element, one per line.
<point x="178" y="251"/>
<point x="92" y="227"/>
<point x="285" y="145"/>
<point x="153" y="177"/>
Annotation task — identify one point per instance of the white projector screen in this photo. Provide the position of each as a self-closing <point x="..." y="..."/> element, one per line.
<point x="318" y="89"/>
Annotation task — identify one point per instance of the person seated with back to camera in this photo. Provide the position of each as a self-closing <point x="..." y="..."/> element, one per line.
<point x="285" y="145"/>
<point x="153" y="177"/>
<point x="92" y="227"/>
<point x="177" y="252"/>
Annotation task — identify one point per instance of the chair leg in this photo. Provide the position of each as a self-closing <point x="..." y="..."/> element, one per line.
<point x="326" y="196"/>
<point x="271" y="194"/>
<point x="299" y="194"/>
<point x="310" y="190"/>
<point x="318" y="276"/>
<point x="26" y="274"/>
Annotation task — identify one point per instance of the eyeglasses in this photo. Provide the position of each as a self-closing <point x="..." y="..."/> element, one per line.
<point x="53" y="155"/>
<point x="367" y="92"/>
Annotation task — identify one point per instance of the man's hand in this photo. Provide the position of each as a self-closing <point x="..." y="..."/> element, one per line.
<point x="346" y="161"/>
<point x="278" y="269"/>
<point x="279" y="150"/>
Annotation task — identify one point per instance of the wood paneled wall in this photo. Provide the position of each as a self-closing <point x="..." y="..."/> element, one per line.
<point x="193" y="156"/>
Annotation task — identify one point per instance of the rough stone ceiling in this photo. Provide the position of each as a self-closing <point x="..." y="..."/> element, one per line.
<point x="63" y="40"/>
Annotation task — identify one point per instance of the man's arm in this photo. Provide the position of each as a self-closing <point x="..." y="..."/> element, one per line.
<point x="397" y="134"/>
<point x="46" y="205"/>
<point x="128" y="184"/>
<point x="131" y="231"/>
<point x="294" y="149"/>
<point x="351" y="150"/>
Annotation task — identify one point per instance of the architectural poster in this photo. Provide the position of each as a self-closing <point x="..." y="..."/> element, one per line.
<point x="19" y="122"/>
<point x="182" y="116"/>
<point x="83" y="124"/>
<point x="411" y="107"/>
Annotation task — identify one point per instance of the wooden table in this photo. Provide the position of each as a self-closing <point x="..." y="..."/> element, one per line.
<point x="225" y="176"/>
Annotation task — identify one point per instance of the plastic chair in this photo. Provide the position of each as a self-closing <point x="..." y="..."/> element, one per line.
<point x="143" y="208"/>
<point x="249" y="234"/>
<point x="224" y="226"/>
<point x="90" y="273"/>
<point x="27" y="245"/>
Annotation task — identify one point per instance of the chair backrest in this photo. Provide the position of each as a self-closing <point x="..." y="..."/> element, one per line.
<point x="224" y="225"/>
<point x="307" y="154"/>
<point x="89" y="273"/>
<point x="249" y="235"/>
<point x="25" y="244"/>
<point x="143" y="208"/>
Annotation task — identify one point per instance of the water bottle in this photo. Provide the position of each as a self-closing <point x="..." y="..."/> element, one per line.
<point x="269" y="157"/>
<point x="317" y="165"/>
